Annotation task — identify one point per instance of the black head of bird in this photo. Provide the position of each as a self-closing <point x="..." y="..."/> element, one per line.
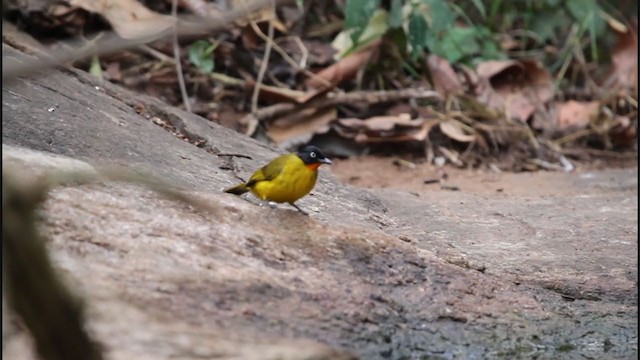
<point x="312" y="155"/>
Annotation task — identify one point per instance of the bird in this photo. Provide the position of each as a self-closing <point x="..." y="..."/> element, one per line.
<point x="286" y="178"/>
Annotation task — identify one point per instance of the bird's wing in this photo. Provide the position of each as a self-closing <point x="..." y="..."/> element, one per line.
<point x="270" y="171"/>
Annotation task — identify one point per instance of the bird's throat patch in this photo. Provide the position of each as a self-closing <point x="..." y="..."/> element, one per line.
<point x="313" y="167"/>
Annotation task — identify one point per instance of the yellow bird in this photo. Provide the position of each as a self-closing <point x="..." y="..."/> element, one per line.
<point x="286" y="178"/>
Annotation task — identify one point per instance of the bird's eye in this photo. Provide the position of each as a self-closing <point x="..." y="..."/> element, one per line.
<point x="312" y="154"/>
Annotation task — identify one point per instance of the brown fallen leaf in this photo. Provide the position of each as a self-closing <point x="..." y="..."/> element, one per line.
<point x="445" y="79"/>
<point x="263" y="15"/>
<point x="517" y="88"/>
<point x="453" y="129"/>
<point x="129" y="18"/>
<point x="299" y="127"/>
<point x="624" y="72"/>
<point x="624" y="131"/>
<point x="398" y="128"/>
<point x="576" y="114"/>
<point x="345" y="69"/>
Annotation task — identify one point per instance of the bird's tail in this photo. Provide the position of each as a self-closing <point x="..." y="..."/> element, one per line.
<point x="238" y="189"/>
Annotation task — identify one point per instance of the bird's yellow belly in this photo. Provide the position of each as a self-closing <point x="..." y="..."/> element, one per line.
<point x="292" y="184"/>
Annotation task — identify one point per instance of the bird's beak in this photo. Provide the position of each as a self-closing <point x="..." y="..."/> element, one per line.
<point x="326" y="161"/>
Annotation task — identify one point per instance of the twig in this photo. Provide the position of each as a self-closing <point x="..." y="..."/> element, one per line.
<point x="223" y="78"/>
<point x="157" y="54"/>
<point x="236" y="155"/>
<point x="546" y="165"/>
<point x="16" y="94"/>
<point x="305" y="55"/>
<point x="287" y="58"/>
<point x="176" y="57"/>
<point x="265" y="61"/>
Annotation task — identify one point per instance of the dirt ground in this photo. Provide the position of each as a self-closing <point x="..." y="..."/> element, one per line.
<point x="373" y="172"/>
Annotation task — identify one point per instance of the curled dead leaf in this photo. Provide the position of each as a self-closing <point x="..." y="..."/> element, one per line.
<point x="453" y="129"/>
<point x="445" y="79"/>
<point x="299" y="127"/>
<point x="624" y="72"/>
<point x="517" y="88"/>
<point x="345" y="69"/>
<point x="129" y="18"/>
<point x="399" y="128"/>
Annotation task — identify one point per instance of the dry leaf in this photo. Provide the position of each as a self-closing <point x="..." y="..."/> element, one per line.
<point x="453" y="130"/>
<point x="516" y="87"/>
<point x="445" y="80"/>
<point x="385" y="128"/>
<point x="624" y="131"/>
<point x="299" y="127"/>
<point x="624" y="72"/>
<point x="262" y="15"/>
<point x="576" y="113"/>
<point x="345" y="69"/>
<point x="128" y="18"/>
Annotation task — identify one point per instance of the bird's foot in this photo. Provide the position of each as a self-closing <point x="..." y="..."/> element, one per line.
<point x="299" y="209"/>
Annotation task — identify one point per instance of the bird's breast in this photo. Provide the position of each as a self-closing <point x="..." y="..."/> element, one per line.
<point x="295" y="181"/>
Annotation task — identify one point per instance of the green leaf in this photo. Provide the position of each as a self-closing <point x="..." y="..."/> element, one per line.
<point x="94" y="68"/>
<point x="438" y="15"/>
<point x="417" y="34"/>
<point x="459" y="42"/>
<point x="480" y="6"/>
<point x="357" y="15"/>
<point x="375" y="29"/>
<point x="395" y="16"/>
<point x="377" y="26"/>
<point x="200" y="55"/>
<point x="588" y="13"/>
<point x="548" y="23"/>
<point x="580" y="9"/>
<point x="491" y="51"/>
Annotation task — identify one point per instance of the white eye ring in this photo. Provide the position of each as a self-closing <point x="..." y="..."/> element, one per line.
<point x="312" y="154"/>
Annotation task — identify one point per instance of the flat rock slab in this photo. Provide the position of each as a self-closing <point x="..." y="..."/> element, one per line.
<point x="380" y="274"/>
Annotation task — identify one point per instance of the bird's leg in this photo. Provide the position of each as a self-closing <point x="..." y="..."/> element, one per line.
<point x="272" y="204"/>
<point x="299" y="209"/>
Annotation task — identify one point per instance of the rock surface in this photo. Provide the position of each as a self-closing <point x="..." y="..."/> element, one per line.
<point x="380" y="274"/>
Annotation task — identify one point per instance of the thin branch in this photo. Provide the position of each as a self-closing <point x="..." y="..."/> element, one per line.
<point x="265" y="61"/>
<point x="289" y="59"/>
<point x="176" y="57"/>
<point x="157" y="54"/>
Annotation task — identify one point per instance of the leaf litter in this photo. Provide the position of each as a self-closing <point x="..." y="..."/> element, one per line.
<point x="511" y="111"/>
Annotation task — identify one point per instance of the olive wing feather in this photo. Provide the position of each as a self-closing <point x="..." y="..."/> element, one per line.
<point x="270" y="171"/>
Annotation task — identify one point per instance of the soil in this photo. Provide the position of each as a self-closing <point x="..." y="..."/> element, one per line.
<point x="373" y="172"/>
